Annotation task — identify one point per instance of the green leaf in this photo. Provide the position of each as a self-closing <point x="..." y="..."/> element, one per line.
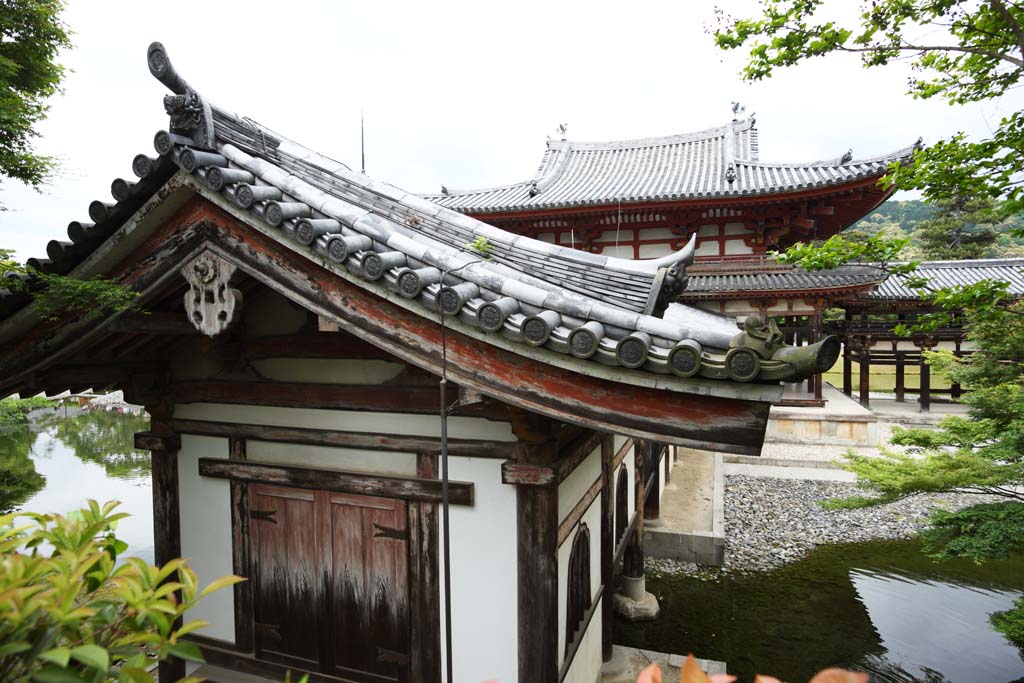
<point x="58" y="655"/>
<point x="222" y="582"/>
<point x="14" y="648"/>
<point x="93" y="656"/>
<point x="131" y="674"/>
<point x="55" y="674"/>
<point x="187" y="651"/>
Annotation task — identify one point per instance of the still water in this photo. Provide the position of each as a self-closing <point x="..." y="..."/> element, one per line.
<point x="877" y="607"/>
<point x="65" y="456"/>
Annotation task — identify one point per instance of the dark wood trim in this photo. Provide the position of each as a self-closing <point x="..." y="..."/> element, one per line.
<point x="427" y="635"/>
<point x="240" y="553"/>
<point x="578" y="510"/>
<point x="422" y="400"/>
<point x="607" y="543"/>
<point x="633" y="559"/>
<point x="166" y="512"/>
<point x="340" y="439"/>
<point x="537" y="569"/>
<point x="148" y="441"/>
<point x="621" y="550"/>
<point x="529" y="474"/>
<point x="408" y="488"/>
<point x="153" y="322"/>
<point x="620" y="455"/>
<point x="227" y="658"/>
<point x="574" y="647"/>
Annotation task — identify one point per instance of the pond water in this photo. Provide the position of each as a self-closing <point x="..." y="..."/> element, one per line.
<point x="879" y="607"/>
<point x="65" y="456"/>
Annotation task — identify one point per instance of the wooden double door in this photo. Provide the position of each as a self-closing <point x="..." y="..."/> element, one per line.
<point x="331" y="586"/>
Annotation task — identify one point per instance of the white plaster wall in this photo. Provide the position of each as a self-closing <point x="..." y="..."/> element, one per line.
<point x="657" y="234"/>
<point x="737" y="229"/>
<point x="661" y="471"/>
<point x="592" y="518"/>
<point x="546" y="237"/>
<point x="654" y="250"/>
<point x="710" y="230"/>
<point x="484" y="576"/>
<point x="347" y="420"/>
<point x="205" y="509"/>
<point x="622" y="251"/>
<point x="706" y="249"/>
<point x="586" y="665"/>
<point x="737" y="246"/>
<point x="571" y="490"/>
<point x="328" y="370"/>
<point x="326" y="457"/>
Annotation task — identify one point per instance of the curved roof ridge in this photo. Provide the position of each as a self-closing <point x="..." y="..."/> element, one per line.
<point x="834" y="161"/>
<point x="657" y="140"/>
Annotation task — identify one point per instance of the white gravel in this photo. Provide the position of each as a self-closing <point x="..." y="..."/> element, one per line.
<point x="771" y="522"/>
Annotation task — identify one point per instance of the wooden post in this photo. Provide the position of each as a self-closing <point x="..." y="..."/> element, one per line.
<point x="166" y="512"/>
<point x="633" y="558"/>
<point x="864" y="360"/>
<point x="901" y="359"/>
<point x="652" y="501"/>
<point x="607" y="544"/>
<point x="537" y="553"/>
<point x="926" y="387"/>
<point x="428" y="642"/>
<point x="847" y="367"/>
<point x="240" y="559"/>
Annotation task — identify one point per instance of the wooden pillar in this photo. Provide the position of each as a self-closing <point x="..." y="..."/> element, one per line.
<point x="864" y="360"/>
<point x="633" y="558"/>
<point x="607" y="544"/>
<point x="166" y="507"/>
<point x="847" y="367"/>
<point x="240" y="559"/>
<point x="652" y="501"/>
<point x="537" y="552"/>
<point x="926" y="387"/>
<point x="901" y="359"/>
<point x="426" y="640"/>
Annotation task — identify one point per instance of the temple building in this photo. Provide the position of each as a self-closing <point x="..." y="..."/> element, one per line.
<point x="647" y="198"/>
<point x="395" y="420"/>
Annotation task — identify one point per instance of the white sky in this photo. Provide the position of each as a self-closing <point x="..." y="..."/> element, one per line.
<point x="457" y="93"/>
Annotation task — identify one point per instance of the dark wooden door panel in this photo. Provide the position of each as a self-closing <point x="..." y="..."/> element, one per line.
<point x="287" y="579"/>
<point x="369" y="588"/>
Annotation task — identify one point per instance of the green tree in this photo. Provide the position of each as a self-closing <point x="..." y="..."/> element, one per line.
<point x="106" y="439"/>
<point x="18" y="477"/>
<point x="31" y="35"/>
<point x="970" y="52"/>
<point x="960" y="229"/>
<point x="71" y="613"/>
<point x="974" y="51"/>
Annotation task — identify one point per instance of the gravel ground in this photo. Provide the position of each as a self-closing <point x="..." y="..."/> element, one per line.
<point x="771" y="522"/>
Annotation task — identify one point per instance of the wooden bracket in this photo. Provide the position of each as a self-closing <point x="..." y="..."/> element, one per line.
<point x="148" y="441"/>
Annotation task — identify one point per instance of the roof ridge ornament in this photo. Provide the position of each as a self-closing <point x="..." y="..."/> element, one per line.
<point x="190" y="114"/>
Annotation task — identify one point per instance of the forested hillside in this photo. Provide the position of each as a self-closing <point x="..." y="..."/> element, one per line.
<point x="943" y="233"/>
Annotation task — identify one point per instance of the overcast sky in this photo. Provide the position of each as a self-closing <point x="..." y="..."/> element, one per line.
<point x="462" y="94"/>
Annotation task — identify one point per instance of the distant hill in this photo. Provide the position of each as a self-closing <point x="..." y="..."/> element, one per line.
<point x="900" y="218"/>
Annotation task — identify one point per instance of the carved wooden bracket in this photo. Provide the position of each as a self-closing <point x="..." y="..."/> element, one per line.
<point x="211" y="303"/>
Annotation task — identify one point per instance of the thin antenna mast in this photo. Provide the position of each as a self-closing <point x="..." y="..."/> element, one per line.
<point x="362" y="142"/>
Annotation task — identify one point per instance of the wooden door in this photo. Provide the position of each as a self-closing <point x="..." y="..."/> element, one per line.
<point x="369" y="591"/>
<point x="287" y="582"/>
<point x="331" y="582"/>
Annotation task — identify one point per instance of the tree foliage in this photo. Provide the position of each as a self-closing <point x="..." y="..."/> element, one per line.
<point x="962" y="228"/>
<point x="961" y="51"/>
<point x="31" y="35"/>
<point x="70" y="613"/>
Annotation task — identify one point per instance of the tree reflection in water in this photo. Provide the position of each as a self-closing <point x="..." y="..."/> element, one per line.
<point x="18" y="477"/>
<point x="104" y="438"/>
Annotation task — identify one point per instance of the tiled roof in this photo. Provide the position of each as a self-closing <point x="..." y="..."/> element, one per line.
<point x="720" y="280"/>
<point x="951" y="274"/>
<point x="720" y="162"/>
<point x="592" y="307"/>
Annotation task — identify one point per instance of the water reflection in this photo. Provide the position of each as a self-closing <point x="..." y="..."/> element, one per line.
<point x="18" y="476"/>
<point x="879" y="607"/>
<point x="65" y="456"/>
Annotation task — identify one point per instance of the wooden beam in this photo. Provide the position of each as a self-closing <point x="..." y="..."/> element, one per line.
<point x="422" y="400"/>
<point x="408" y="488"/>
<point x="314" y="345"/>
<point x="607" y="544"/>
<point x="578" y="510"/>
<point x="150" y="441"/>
<point x="340" y="439"/>
<point x="176" y="323"/>
<point x="530" y="474"/>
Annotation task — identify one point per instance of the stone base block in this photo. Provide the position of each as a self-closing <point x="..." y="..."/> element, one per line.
<point x="634" y="603"/>
<point x="617" y="669"/>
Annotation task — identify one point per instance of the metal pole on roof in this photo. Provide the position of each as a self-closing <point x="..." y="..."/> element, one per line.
<point x="362" y="142"/>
